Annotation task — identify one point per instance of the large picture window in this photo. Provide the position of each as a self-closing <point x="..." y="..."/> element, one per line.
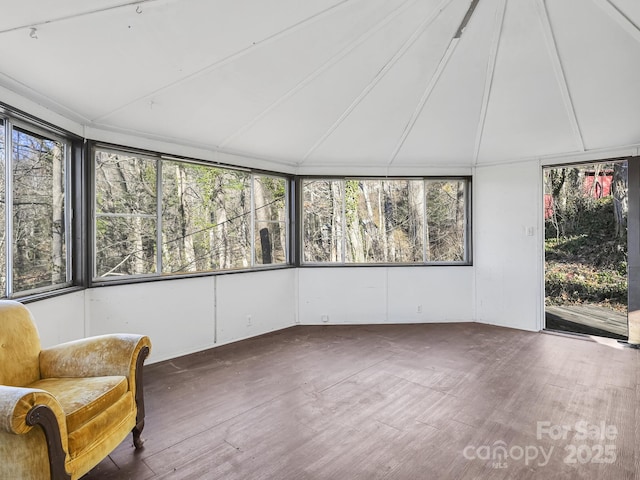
<point x="158" y="216"/>
<point x="34" y="227"/>
<point x="385" y="221"/>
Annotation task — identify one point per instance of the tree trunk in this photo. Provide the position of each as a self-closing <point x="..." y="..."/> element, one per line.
<point x="185" y="243"/>
<point x="416" y="195"/>
<point x="352" y="220"/>
<point x="262" y="223"/>
<point x="337" y="221"/>
<point x="58" y="260"/>
<point x="620" y="199"/>
<point x="460" y="223"/>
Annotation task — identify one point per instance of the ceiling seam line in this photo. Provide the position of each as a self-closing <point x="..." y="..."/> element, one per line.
<point x="231" y="57"/>
<point x="558" y="68"/>
<point x="425" y="98"/>
<point x="620" y="18"/>
<point x="488" y="82"/>
<point x="568" y="157"/>
<point x="417" y="33"/>
<point x="45" y="101"/>
<point x="77" y="15"/>
<point x="183" y="143"/>
<point x="313" y="75"/>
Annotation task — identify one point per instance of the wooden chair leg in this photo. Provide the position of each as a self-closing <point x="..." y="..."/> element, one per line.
<point x="138" y="441"/>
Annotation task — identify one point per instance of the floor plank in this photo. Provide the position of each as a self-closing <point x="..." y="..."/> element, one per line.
<point x="388" y="402"/>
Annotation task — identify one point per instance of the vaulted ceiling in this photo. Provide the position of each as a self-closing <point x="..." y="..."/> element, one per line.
<point x="389" y="83"/>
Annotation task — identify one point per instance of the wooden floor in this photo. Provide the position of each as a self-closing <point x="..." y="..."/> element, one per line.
<point x="401" y="402"/>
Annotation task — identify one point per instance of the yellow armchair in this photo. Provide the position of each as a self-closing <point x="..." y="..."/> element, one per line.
<point x="64" y="409"/>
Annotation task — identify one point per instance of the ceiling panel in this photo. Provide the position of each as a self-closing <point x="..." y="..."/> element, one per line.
<point x="124" y="55"/>
<point x="300" y="119"/>
<point x="526" y="114"/>
<point x="629" y="8"/>
<point x="601" y="59"/>
<point x="34" y="12"/>
<point x="328" y="83"/>
<point x="445" y="132"/>
<point x="392" y="97"/>
<point x="238" y="90"/>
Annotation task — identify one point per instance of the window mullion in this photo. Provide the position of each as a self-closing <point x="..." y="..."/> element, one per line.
<point x="94" y="216"/>
<point x="425" y="225"/>
<point x="465" y="233"/>
<point x="67" y="212"/>
<point x="252" y="223"/>
<point x="287" y="219"/>
<point x="8" y="199"/>
<point x="343" y="254"/>
<point x="159" y="216"/>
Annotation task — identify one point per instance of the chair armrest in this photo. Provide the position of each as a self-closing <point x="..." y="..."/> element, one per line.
<point x="16" y="404"/>
<point x="22" y="409"/>
<point x="103" y="355"/>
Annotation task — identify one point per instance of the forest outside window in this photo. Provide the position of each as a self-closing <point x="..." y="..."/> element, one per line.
<point x="385" y="221"/>
<point x="158" y="216"/>
<point x="34" y="218"/>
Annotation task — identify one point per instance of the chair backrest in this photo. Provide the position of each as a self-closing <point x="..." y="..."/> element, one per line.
<point x="19" y="345"/>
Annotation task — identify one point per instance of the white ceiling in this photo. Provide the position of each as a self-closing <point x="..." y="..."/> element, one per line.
<point x="331" y="82"/>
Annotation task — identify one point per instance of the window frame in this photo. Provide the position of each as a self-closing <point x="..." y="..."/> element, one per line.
<point x="94" y="280"/>
<point x="467" y="235"/>
<point x="72" y="203"/>
<point x="94" y="211"/>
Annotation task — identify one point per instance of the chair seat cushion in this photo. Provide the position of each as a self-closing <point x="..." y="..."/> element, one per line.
<point x="84" y="398"/>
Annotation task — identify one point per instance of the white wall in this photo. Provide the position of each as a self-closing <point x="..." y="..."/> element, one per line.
<point x="507" y="211"/>
<point x="59" y="319"/>
<point x="385" y="294"/>
<point x="180" y="316"/>
<point x="268" y="298"/>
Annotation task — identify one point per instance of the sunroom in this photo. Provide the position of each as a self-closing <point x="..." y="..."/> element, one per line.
<point x="369" y="179"/>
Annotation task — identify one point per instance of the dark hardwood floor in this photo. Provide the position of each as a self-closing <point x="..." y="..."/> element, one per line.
<point x="392" y="402"/>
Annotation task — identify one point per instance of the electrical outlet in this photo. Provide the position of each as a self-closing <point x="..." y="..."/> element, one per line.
<point x="324" y="318"/>
<point x="248" y="320"/>
<point x="419" y="309"/>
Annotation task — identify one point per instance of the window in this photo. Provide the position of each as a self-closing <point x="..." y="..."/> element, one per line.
<point x="270" y="227"/>
<point x="34" y="218"/>
<point x="446" y="220"/>
<point x="385" y="221"/>
<point x="126" y="214"/>
<point x="166" y="216"/>
<point x="153" y="215"/>
<point x="204" y="218"/>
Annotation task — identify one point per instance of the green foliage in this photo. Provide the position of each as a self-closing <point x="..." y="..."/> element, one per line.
<point x="352" y="195"/>
<point x="568" y="283"/>
<point x="582" y="214"/>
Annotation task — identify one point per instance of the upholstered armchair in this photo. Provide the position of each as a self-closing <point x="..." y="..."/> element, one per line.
<point x="64" y="409"/>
